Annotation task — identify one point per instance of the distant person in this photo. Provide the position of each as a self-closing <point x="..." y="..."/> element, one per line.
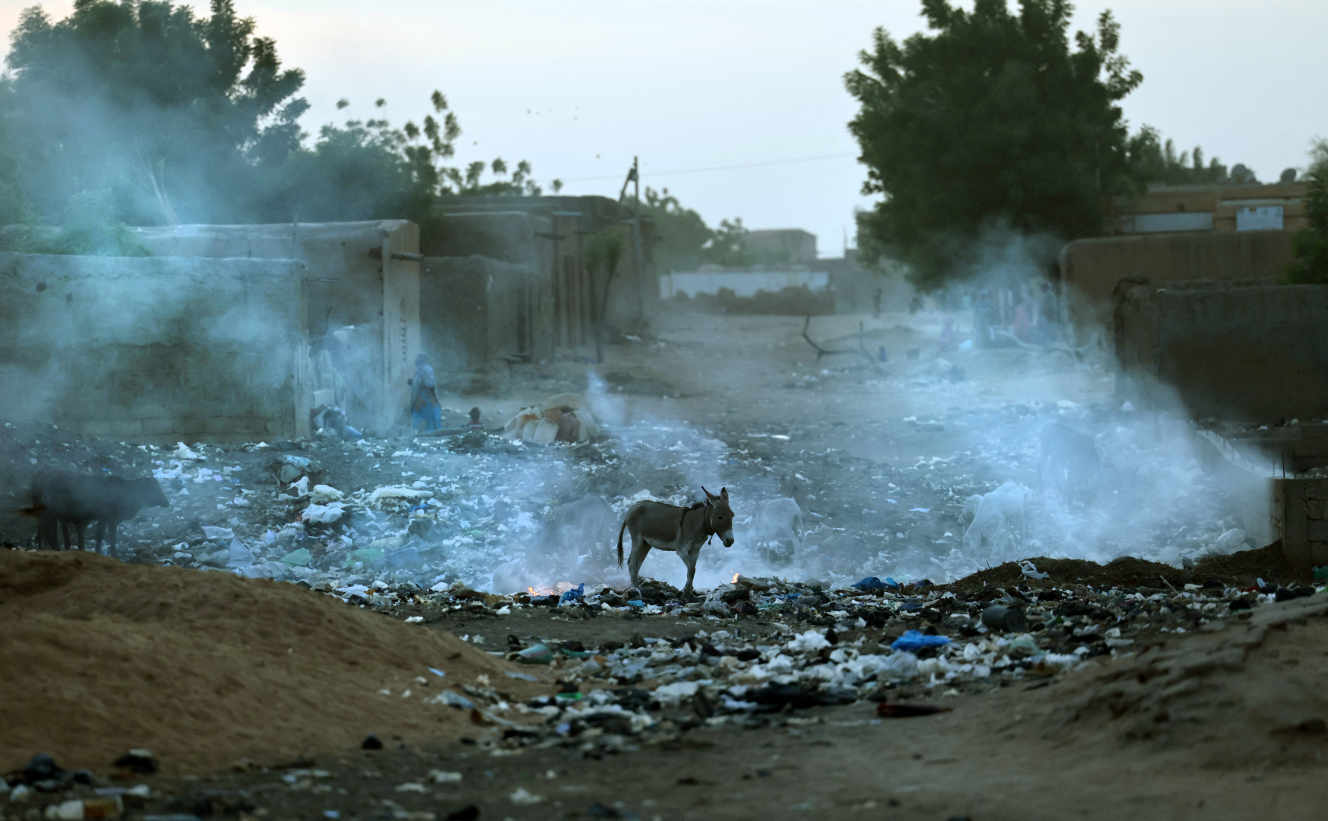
<point x="984" y="317"/>
<point x="1048" y="320"/>
<point x="949" y="335"/>
<point x="475" y="419"/>
<point x="876" y="303"/>
<point x="426" y="413"/>
<point x="1023" y="320"/>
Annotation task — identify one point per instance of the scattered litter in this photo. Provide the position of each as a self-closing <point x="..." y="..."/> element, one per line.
<point x="1030" y="570"/>
<point x="523" y="796"/>
<point x="535" y="654"/>
<point x="322" y="494"/>
<point x="915" y="640"/>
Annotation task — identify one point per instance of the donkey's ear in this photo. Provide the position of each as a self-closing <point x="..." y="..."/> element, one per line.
<point x="708" y="494"/>
<point x="724" y="492"/>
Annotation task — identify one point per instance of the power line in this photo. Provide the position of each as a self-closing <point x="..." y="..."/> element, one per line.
<point x="675" y="172"/>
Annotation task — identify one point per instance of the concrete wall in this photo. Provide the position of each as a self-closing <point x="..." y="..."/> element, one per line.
<point x="1232" y="351"/>
<point x="359" y="274"/>
<point x="1300" y="514"/>
<point x="1091" y="268"/>
<point x="154" y="347"/>
<point x="744" y="283"/>
<point x="472" y="310"/>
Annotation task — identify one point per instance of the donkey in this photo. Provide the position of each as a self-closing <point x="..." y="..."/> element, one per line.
<point x="682" y="529"/>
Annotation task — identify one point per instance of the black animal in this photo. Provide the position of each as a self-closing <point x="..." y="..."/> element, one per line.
<point x="64" y="500"/>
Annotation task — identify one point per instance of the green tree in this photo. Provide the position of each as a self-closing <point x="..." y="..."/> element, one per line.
<point x="990" y="119"/>
<point x="728" y="245"/>
<point x="401" y="171"/>
<point x="171" y="115"/>
<point x="13" y="201"/>
<point x="1154" y="162"/>
<point x="1311" y="242"/>
<point x="680" y="233"/>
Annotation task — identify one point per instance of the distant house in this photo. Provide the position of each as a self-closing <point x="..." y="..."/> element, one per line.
<point x="1179" y="233"/>
<point x="507" y="276"/>
<point x="782" y="246"/>
<point x="1184" y="208"/>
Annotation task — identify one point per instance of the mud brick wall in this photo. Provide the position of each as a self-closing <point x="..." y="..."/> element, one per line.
<point x="364" y="274"/>
<point x="152" y="347"/>
<point x="1090" y="268"/>
<point x="472" y="310"/>
<point x="1236" y="352"/>
<point x="514" y="237"/>
<point x="1300" y="515"/>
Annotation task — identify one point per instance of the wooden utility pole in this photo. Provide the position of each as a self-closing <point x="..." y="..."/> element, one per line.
<point x="638" y="262"/>
<point x="636" y="244"/>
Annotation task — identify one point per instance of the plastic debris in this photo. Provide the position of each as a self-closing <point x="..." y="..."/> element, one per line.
<point x="297" y="558"/>
<point x="915" y="640"/>
<point x="322" y="494"/>
<point x="1030" y="570"/>
<point x="324" y="514"/>
<point x="1006" y="619"/>
<point x="872" y="584"/>
<point x="535" y="654"/>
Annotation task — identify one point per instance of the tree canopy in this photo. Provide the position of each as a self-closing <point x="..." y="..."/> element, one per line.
<point x="1311" y="242"/>
<point x="992" y="118"/>
<point x="1154" y="161"/>
<point x="140" y="112"/>
<point x="163" y="113"/>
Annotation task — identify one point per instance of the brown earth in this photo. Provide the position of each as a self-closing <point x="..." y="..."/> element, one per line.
<point x="1240" y="569"/>
<point x="206" y="669"/>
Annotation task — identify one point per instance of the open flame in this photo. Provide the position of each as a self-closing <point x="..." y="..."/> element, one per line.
<point x="555" y="589"/>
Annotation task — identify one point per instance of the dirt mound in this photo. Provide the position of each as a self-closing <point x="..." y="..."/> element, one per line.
<point x="206" y="668"/>
<point x="1250" y="693"/>
<point x="1238" y="569"/>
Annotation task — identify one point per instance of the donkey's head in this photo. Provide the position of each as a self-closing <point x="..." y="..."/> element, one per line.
<point x="719" y="516"/>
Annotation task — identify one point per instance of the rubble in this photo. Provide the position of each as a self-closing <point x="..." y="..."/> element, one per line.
<point x="823" y="645"/>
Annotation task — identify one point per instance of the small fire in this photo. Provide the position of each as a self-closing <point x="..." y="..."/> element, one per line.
<point x="736" y="576"/>
<point x="549" y="590"/>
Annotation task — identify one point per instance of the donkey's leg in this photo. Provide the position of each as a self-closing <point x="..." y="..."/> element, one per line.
<point x="639" y="550"/>
<point x="689" y="556"/>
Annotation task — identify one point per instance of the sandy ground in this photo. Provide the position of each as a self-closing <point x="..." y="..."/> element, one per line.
<point x="212" y="671"/>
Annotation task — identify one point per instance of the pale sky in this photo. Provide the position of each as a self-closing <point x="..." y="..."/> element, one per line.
<point x="579" y="87"/>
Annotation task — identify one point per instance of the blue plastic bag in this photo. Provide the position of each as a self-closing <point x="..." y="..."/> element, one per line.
<point x="914" y="640"/>
<point x="573" y="596"/>
<point x="871" y="584"/>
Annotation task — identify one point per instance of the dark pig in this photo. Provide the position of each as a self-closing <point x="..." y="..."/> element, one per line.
<point x="70" y="500"/>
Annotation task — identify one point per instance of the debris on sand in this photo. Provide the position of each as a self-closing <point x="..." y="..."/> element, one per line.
<point x="205" y="668"/>
<point x="561" y="418"/>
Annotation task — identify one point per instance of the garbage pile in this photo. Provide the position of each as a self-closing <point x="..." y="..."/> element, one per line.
<point x="909" y="647"/>
<point x="503" y="509"/>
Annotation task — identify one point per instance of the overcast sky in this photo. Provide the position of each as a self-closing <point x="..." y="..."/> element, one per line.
<point x="738" y="106"/>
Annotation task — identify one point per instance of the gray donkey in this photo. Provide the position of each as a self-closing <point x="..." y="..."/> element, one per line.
<point x="683" y="529"/>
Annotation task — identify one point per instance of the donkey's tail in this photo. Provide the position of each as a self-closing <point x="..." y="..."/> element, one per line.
<point x="620" y="533"/>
